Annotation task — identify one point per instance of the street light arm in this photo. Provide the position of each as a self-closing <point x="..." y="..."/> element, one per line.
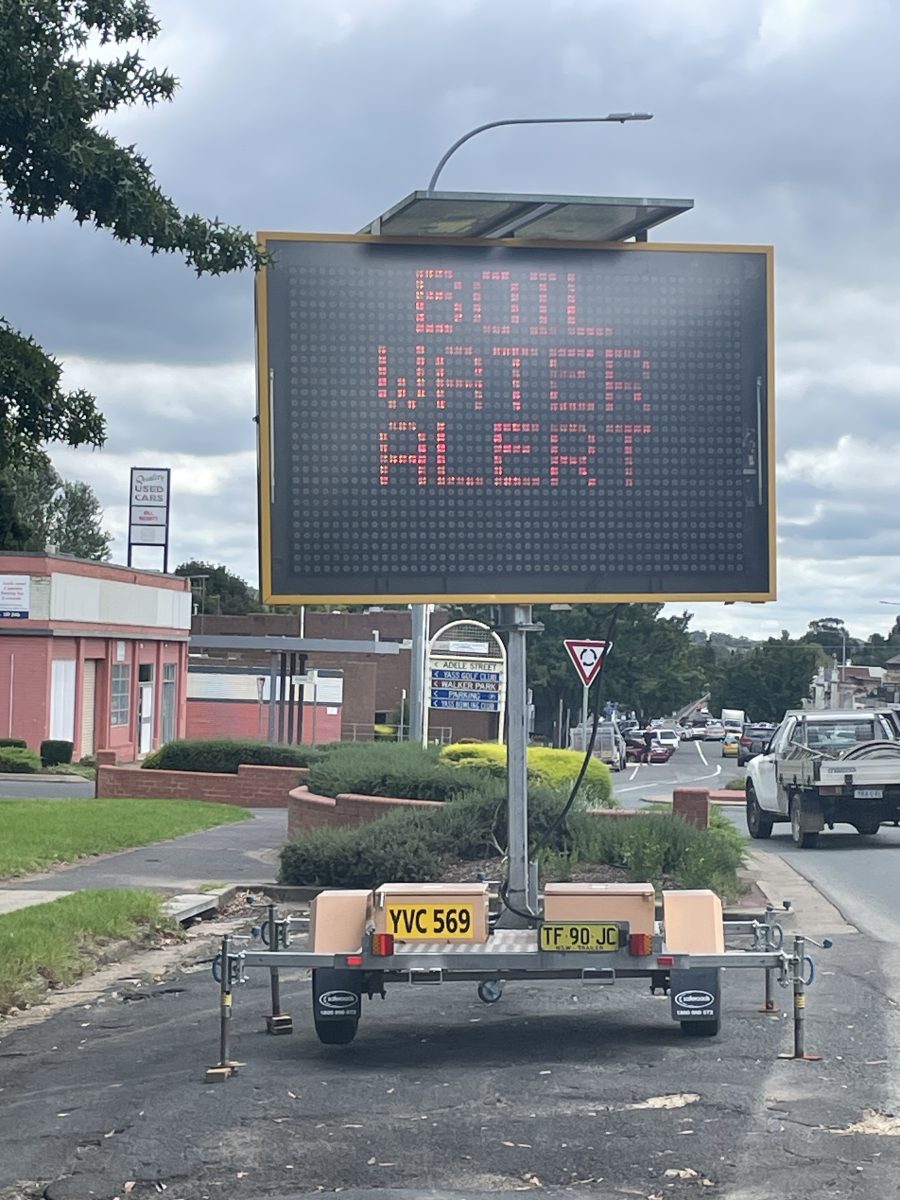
<point x="610" y="118"/>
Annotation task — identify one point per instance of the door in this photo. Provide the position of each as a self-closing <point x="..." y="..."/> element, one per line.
<point x="88" y="694"/>
<point x="145" y="718"/>
<point x="62" y="700"/>
<point x="762" y="770"/>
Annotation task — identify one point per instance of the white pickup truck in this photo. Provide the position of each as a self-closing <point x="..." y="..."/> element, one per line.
<point x="827" y="767"/>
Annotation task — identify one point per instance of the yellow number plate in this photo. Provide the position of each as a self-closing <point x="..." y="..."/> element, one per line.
<point x="436" y="922"/>
<point x="586" y="936"/>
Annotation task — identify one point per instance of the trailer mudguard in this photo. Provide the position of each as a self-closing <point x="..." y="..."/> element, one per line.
<point x="696" y="995"/>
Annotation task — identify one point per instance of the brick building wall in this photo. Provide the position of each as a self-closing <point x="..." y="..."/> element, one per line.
<point x="240" y="719"/>
<point x="373" y="683"/>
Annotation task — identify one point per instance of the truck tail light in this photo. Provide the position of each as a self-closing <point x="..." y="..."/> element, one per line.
<point x="383" y="944"/>
<point x="640" y="944"/>
<point x="354" y="960"/>
<point x="665" y="960"/>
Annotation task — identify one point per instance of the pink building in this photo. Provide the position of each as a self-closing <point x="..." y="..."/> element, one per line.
<point x="92" y="653"/>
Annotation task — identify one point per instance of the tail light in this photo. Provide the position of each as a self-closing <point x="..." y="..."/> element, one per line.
<point x="383" y="944"/>
<point x="640" y="944"/>
<point x="745" y="741"/>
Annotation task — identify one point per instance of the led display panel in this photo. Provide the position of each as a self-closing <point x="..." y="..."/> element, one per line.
<point x="514" y="421"/>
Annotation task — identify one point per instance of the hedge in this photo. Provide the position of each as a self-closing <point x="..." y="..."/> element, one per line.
<point x="401" y="769"/>
<point x="411" y="846"/>
<point x="546" y="766"/>
<point x="17" y="760"/>
<point x="17" y="743"/>
<point x="223" y="756"/>
<point x="54" y="752"/>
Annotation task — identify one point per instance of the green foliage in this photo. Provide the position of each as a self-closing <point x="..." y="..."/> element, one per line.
<point x="19" y="743"/>
<point x="736" y="785"/>
<point x="16" y="760"/>
<point x="400" y="769"/>
<point x="553" y="768"/>
<point x="653" y="668"/>
<point x="51" y="512"/>
<point x="55" y="103"/>
<point x="768" y="679"/>
<point x="37" y="832"/>
<point x="54" y="752"/>
<point x="221" y="591"/>
<point x="223" y="756"/>
<point x="50" y="945"/>
<point x="409" y="846"/>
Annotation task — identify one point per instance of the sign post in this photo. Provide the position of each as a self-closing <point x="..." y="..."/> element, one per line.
<point x="148" y="523"/>
<point x="587" y="658"/>
<point x="466" y="671"/>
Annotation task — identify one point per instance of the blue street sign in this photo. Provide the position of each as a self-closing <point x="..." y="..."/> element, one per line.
<point x="470" y="705"/>
<point x="455" y="694"/>
<point x="468" y="676"/>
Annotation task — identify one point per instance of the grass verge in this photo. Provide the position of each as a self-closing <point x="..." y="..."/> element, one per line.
<point x="37" y="833"/>
<point x="53" y="944"/>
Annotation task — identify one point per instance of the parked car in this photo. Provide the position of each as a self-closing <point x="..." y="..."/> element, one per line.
<point x="753" y="741"/>
<point x="731" y="745"/>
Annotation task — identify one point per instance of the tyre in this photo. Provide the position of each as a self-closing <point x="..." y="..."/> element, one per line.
<point x="803" y="840"/>
<point x="758" y="824"/>
<point x="336" y="1033"/>
<point x="701" y="1029"/>
<point x="868" y="828"/>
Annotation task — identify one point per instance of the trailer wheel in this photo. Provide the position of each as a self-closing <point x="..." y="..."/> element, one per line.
<point x="336" y="1033"/>
<point x="701" y="1029"/>
<point x="804" y="839"/>
<point x="758" y="824"/>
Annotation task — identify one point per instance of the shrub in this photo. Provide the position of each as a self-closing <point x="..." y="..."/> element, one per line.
<point x="54" y="752"/>
<point x="388" y="769"/>
<point x="223" y="756"/>
<point x="546" y="766"/>
<point x="18" y="760"/>
<point x="736" y="785"/>
<point x="18" y="743"/>
<point x="409" y="846"/>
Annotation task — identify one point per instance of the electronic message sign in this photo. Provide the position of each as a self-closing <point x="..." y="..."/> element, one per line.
<point x="514" y="421"/>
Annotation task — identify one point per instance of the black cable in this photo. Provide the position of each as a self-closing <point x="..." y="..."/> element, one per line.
<point x="567" y="808"/>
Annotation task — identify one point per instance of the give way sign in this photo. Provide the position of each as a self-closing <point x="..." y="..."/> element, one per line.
<point x="587" y="657"/>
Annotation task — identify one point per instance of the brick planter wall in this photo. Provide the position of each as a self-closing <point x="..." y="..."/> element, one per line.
<point x="693" y="805"/>
<point x="306" y="810"/>
<point x="252" y="787"/>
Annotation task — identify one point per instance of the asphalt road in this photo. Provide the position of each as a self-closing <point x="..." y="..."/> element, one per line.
<point x="559" y="1086"/>
<point x="857" y="874"/>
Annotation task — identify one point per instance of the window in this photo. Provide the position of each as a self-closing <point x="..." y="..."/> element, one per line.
<point x="120" y="707"/>
<point x="168" y="702"/>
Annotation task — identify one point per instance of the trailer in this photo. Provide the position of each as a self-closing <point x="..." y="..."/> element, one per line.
<point x="453" y="934"/>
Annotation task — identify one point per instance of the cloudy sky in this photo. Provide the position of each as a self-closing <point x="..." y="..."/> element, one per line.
<point x="776" y="116"/>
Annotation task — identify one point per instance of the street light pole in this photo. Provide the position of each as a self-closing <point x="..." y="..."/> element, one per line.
<point x="609" y="119"/>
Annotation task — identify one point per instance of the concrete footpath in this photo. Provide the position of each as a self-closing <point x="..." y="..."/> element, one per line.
<point x="246" y="852"/>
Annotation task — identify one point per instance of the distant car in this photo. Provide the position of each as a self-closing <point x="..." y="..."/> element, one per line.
<point x="637" y="750"/>
<point x="753" y="741"/>
<point x="668" y="737"/>
<point x="731" y="745"/>
<point x="714" y="731"/>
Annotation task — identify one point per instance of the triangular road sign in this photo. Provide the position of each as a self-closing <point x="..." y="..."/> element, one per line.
<point x="587" y="657"/>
